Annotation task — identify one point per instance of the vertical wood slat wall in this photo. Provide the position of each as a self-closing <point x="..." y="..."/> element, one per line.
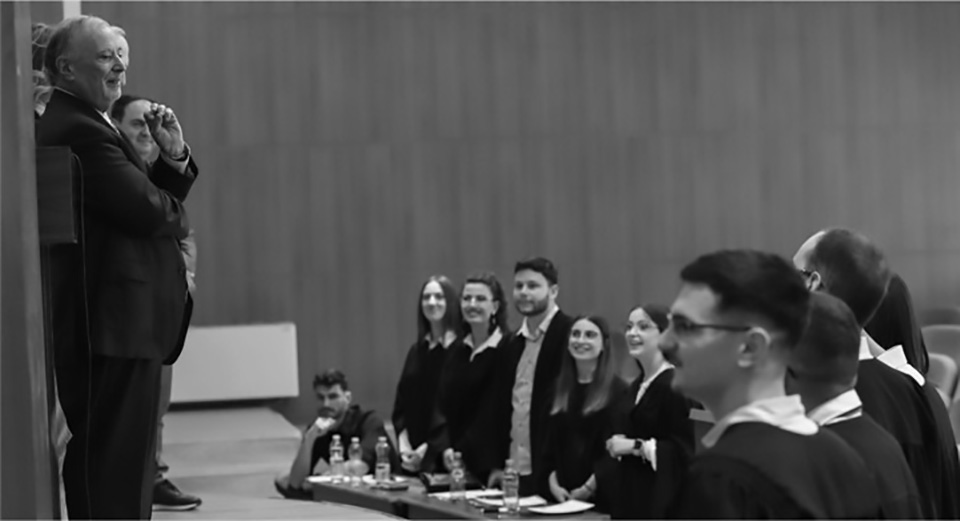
<point x="27" y="482"/>
<point x="350" y="150"/>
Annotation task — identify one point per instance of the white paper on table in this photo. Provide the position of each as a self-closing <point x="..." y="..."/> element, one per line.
<point x="369" y="479"/>
<point x="525" y="502"/>
<point x="570" y="506"/>
<point x="470" y="494"/>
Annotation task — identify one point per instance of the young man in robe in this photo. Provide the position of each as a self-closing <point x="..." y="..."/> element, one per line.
<point x="823" y="371"/>
<point x="732" y="328"/>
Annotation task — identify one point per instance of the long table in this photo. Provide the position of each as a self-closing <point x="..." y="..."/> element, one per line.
<point x="414" y="503"/>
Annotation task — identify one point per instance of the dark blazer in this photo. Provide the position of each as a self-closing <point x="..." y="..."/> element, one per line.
<point x="132" y="219"/>
<point x="544" y="380"/>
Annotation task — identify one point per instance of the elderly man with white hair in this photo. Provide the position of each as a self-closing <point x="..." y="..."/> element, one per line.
<point x="121" y="295"/>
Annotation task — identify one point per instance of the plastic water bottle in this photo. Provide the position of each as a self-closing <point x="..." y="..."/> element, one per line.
<point x="336" y="459"/>
<point x="382" y="473"/>
<point x="356" y="461"/>
<point x="457" y="478"/>
<point x="511" y="488"/>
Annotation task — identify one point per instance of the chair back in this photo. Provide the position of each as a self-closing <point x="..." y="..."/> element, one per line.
<point x="941" y="315"/>
<point x="943" y="375"/>
<point x="955" y="420"/>
<point x="943" y="339"/>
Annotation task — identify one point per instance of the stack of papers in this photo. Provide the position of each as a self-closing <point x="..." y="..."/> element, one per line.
<point x="525" y="502"/>
<point x="367" y="479"/>
<point x="470" y="494"/>
<point x="570" y="506"/>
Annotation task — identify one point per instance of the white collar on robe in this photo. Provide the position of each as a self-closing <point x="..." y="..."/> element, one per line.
<point x="783" y="412"/>
<point x="843" y="407"/>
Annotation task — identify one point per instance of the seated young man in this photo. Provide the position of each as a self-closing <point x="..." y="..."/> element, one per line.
<point x="337" y="415"/>
<point x="823" y="371"/>
<point x="733" y="325"/>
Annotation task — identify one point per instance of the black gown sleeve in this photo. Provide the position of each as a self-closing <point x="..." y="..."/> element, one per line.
<point x="674" y="449"/>
<point x="399" y="416"/>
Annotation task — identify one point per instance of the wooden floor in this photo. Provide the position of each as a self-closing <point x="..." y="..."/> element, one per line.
<point x="252" y="496"/>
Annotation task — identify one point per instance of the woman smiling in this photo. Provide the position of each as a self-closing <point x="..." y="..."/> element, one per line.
<point x="414" y="410"/>
<point x="466" y="392"/>
<point x="653" y="435"/>
<point x="580" y="417"/>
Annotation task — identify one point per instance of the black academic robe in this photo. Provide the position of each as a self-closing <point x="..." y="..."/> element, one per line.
<point x="899" y="497"/>
<point x="545" y="375"/>
<point x="415" y="405"/>
<point x="759" y="471"/>
<point x="630" y="488"/>
<point x="577" y="441"/>
<point x="949" y="505"/>
<point x="466" y="404"/>
<point x="898" y="405"/>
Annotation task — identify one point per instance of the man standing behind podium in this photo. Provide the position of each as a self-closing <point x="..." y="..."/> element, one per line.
<point x="124" y="317"/>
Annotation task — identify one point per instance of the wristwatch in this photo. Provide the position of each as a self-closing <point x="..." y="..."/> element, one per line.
<point x="638" y="444"/>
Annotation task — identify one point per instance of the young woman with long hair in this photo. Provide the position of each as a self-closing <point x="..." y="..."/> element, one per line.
<point x="580" y="419"/>
<point x="414" y="411"/>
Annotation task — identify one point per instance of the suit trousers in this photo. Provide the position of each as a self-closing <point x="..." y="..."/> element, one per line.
<point x="111" y="406"/>
<point x="166" y="387"/>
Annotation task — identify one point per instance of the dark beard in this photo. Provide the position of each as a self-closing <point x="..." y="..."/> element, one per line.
<point x="538" y="308"/>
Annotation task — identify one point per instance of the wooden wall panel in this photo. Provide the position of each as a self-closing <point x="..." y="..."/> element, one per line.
<point x="349" y="150"/>
<point x="27" y="484"/>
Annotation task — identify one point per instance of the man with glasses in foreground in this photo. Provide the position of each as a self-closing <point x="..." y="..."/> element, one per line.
<point x="733" y="325"/>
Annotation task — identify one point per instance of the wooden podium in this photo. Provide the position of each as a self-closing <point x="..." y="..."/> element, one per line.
<point x="58" y="207"/>
<point x="58" y="196"/>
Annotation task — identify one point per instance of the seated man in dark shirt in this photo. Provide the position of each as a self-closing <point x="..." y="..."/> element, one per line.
<point x="336" y="416"/>
<point x="823" y="370"/>
<point x="732" y="327"/>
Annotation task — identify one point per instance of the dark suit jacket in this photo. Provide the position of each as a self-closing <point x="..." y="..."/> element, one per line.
<point x="132" y="219"/>
<point x="544" y="380"/>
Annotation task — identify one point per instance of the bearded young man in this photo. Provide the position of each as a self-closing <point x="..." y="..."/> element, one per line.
<point x="526" y="374"/>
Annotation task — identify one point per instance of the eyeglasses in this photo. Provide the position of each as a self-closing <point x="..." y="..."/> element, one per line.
<point x="684" y="326"/>
<point x="806" y="273"/>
